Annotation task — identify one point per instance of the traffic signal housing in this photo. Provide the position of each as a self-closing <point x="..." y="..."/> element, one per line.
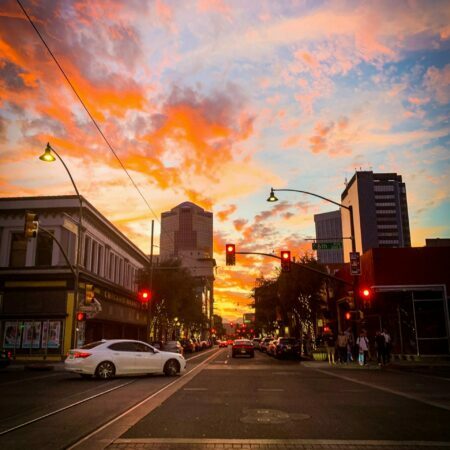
<point x="31" y="225"/>
<point x="365" y="294"/>
<point x="144" y="295"/>
<point x="81" y="316"/>
<point x="89" y="293"/>
<point x="285" y="261"/>
<point x="230" y="250"/>
<point x="348" y="315"/>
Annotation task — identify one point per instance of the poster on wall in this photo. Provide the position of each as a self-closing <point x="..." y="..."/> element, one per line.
<point x="51" y="334"/>
<point x="11" y="338"/>
<point x="31" y="335"/>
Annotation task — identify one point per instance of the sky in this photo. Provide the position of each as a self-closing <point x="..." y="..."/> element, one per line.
<point x="215" y="101"/>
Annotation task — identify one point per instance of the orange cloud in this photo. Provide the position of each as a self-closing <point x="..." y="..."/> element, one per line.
<point x="225" y="213"/>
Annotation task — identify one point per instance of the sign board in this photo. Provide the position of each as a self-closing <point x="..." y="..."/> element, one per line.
<point x="355" y="263"/>
<point x="327" y="245"/>
<point x="92" y="309"/>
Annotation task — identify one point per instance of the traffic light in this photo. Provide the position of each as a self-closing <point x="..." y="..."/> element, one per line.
<point x="348" y="315"/>
<point x="144" y="295"/>
<point x="89" y="293"/>
<point x="230" y="254"/>
<point x="31" y="225"/>
<point x="366" y="293"/>
<point x="285" y="261"/>
<point x="81" y="316"/>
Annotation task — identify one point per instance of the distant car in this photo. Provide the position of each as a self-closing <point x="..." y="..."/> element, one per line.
<point x="264" y="344"/>
<point x="287" y="348"/>
<point x="223" y="344"/>
<point x="5" y="358"/>
<point x="256" y="342"/>
<point x="230" y="342"/>
<point x="271" y="347"/>
<point x="108" y="358"/>
<point x="172" y="346"/>
<point x="242" y="347"/>
<point x="188" y="345"/>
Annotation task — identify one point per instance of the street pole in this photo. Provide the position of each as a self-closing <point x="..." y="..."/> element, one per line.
<point x="47" y="156"/>
<point x="149" y="304"/>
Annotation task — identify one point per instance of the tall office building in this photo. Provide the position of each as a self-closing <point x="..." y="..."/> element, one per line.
<point x="380" y="211"/>
<point x="329" y="228"/>
<point x="187" y="235"/>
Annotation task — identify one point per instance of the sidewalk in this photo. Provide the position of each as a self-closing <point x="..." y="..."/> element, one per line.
<point x="37" y="365"/>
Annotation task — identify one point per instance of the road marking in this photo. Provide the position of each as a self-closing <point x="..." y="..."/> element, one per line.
<point x="195" y="389"/>
<point x="385" y="389"/>
<point x="270" y="390"/>
<point x="278" y="442"/>
<point x="88" y="442"/>
<point x="64" y="408"/>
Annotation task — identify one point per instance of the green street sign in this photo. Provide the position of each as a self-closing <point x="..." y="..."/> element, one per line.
<point x="327" y="245"/>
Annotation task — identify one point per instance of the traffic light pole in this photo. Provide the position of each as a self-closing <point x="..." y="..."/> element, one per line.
<point x="149" y="305"/>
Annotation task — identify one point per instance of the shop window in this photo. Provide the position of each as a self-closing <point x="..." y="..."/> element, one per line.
<point x="18" y="250"/>
<point x="44" y="250"/>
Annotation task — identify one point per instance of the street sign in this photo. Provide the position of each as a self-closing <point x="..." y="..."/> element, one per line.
<point x="355" y="263"/>
<point x="327" y="245"/>
<point x="91" y="310"/>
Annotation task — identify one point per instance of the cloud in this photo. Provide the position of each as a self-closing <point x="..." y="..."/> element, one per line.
<point x="225" y="213"/>
<point x="437" y="84"/>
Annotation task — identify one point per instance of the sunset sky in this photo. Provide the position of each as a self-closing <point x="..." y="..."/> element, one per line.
<point x="215" y="101"/>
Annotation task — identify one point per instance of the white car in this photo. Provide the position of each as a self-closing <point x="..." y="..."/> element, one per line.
<point x="107" y="358"/>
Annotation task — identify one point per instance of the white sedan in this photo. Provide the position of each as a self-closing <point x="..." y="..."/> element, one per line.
<point x="107" y="358"/>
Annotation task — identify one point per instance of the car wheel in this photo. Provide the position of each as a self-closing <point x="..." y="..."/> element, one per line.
<point x="105" y="370"/>
<point x="171" y="368"/>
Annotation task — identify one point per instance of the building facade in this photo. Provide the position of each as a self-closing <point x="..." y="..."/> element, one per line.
<point x="37" y="309"/>
<point x="329" y="228"/>
<point x="187" y="235"/>
<point x="380" y="212"/>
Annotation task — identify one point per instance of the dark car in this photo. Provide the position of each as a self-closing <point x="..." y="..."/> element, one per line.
<point x="188" y="345"/>
<point x="242" y="347"/>
<point x="286" y="347"/>
<point x="5" y="358"/>
<point x="172" y="346"/>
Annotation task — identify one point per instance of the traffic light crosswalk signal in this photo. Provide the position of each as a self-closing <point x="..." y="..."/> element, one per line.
<point x="31" y="225"/>
<point x="230" y="254"/>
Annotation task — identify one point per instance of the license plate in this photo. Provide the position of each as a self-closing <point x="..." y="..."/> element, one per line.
<point x="243" y="351"/>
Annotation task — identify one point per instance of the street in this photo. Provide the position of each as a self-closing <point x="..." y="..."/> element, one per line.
<point x="222" y="401"/>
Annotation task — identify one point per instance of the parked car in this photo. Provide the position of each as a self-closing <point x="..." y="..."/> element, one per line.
<point x="5" y="358"/>
<point x="172" y="346"/>
<point x="197" y="344"/>
<point x="271" y="346"/>
<point x="230" y="342"/>
<point x="287" y="348"/>
<point x="264" y="344"/>
<point x="188" y="345"/>
<point x="242" y="347"/>
<point x="108" y="358"/>
<point x="256" y="342"/>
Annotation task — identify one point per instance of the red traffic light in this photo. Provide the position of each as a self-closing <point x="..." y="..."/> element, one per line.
<point x="230" y="250"/>
<point x="81" y="316"/>
<point x="144" y="295"/>
<point x="366" y="293"/>
<point x="285" y="261"/>
<point x="348" y="315"/>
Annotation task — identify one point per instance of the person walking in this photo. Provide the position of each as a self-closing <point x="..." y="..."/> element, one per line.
<point x="380" y="346"/>
<point x="350" y="344"/>
<point x="342" y="341"/>
<point x="363" y="348"/>
<point x="388" y="343"/>
<point x="330" y="346"/>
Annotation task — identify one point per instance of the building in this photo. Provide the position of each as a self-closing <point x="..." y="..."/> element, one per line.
<point x="187" y="235"/>
<point x="329" y="229"/>
<point x="380" y="212"/>
<point x="37" y="310"/>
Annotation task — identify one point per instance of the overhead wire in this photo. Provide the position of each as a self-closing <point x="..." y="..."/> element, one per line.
<point x="109" y="145"/>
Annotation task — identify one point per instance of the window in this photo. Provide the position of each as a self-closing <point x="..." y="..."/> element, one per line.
<point x="99" y="260"/>
<point x="87" y="255"/>
<point x="94" y="256"/>
<point x="111" y="266"/>
<point x="384" y="204"/>
<point x="383" y="188"/>
<point x="68" y="240"/>
<point x="18" y="251"/>
<point x="44" y="250"/>
<point x="387" y="227"/>
<point x="384" y="197"/>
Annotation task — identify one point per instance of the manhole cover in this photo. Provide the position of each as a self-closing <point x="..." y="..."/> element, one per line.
<point x="265" y="416"/>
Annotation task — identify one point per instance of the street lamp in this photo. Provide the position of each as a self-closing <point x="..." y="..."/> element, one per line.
<point x="273" y="198"/>
<point x="48" y="157"/>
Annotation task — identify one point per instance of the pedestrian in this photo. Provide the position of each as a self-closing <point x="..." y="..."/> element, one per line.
<point x="388" y="342"/>
<point x="362" y="343"/>
<point x="330" y="346"/>
<point x="342" y="341"/>
<point x="380" y="346"/>
<point x="350" y="344"/>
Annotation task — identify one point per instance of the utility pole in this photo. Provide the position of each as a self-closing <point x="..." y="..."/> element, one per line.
<point x="150" y="285"/>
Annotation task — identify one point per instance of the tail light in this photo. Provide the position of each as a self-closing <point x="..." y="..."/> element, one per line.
<point x="81" y="354"/>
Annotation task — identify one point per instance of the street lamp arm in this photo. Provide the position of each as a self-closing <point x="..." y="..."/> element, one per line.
<point x="314" y="195"/>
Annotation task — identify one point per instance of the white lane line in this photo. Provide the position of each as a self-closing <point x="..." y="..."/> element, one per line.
<point x="64" y="408"/>
<point x="270" y="390"/>
<point x="103" y="443"/>
<point x="282" y="442"/>
<point x="385" y="389"/>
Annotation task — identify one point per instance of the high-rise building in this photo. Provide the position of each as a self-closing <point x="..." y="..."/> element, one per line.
<point x="380" y="211"/>
<point x="187" y="235"/>
<point x="329" y="228"/>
